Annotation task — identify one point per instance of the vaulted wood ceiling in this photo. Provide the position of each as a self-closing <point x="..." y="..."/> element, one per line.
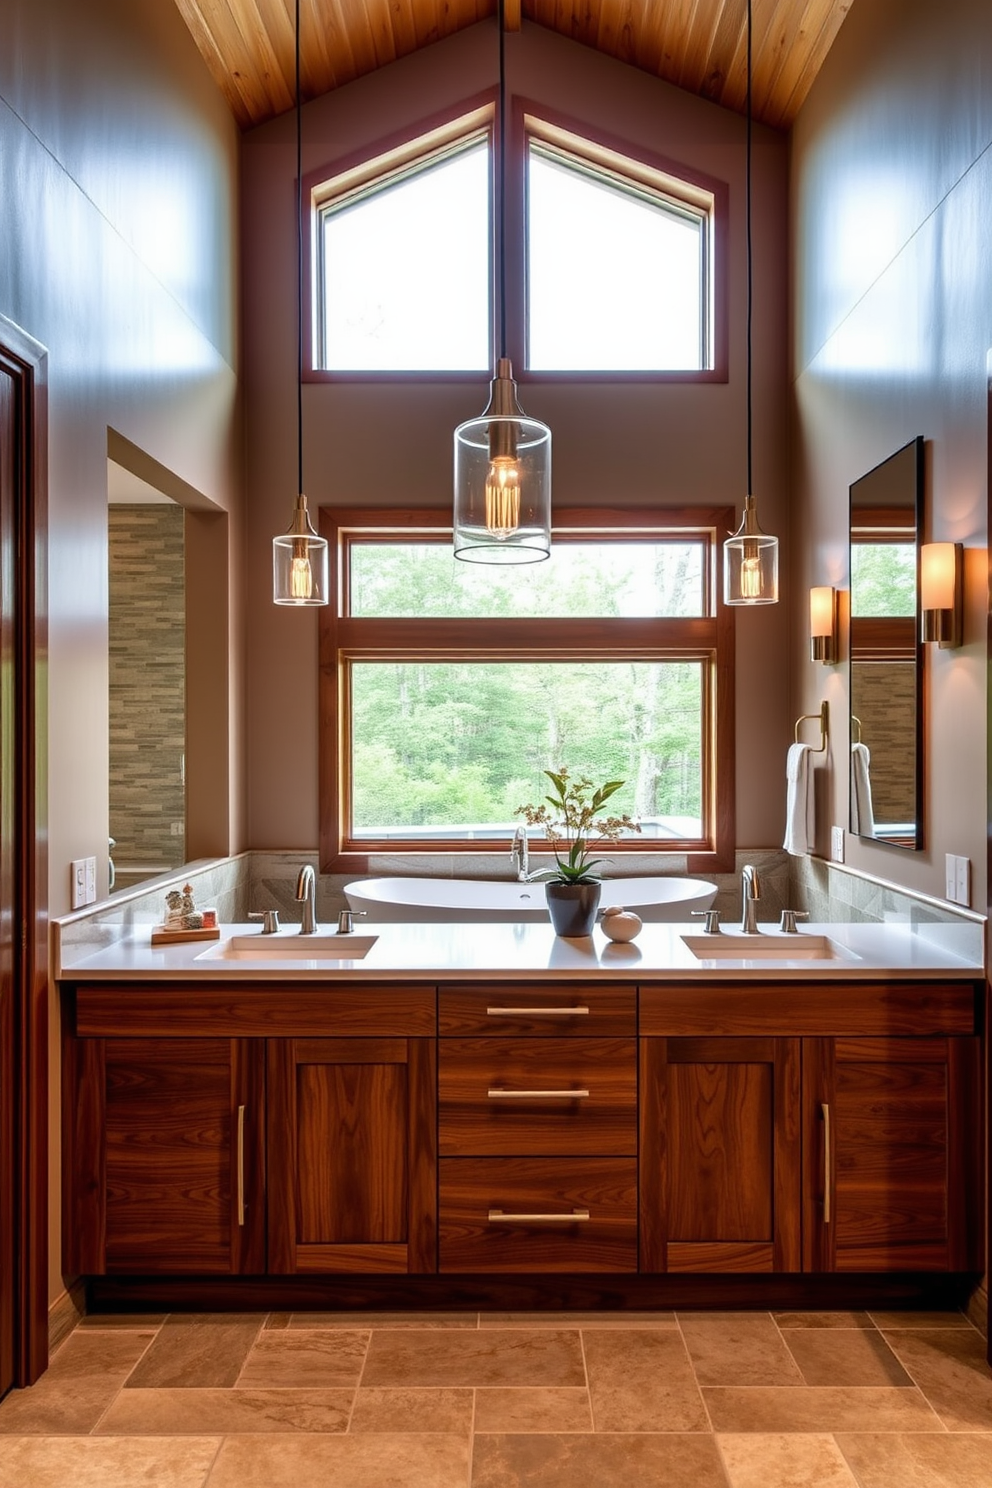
<point x="697" y="44"/>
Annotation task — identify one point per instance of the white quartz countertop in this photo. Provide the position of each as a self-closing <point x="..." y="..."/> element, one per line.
<point x="430" y="952"/>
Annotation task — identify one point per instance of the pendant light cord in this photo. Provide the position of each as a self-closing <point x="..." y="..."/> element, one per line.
<point x="501" y="189"/>
<point x="299" y="265"/>
<point x="747" y="217"/>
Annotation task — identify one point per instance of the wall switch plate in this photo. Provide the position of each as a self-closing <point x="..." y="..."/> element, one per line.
<point x="957" y="878"/>
<point x="82" y="882"/>
<point x="89" y="874"/>
<point x="837" y="844"/>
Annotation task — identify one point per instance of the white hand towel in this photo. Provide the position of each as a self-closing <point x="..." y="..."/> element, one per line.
<point x="799" y="824"/>
<point x="862" y="813"/>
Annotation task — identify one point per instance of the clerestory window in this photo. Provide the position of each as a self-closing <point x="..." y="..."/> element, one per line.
<point x="612" y="272"/>
<point x="445" y="693"/>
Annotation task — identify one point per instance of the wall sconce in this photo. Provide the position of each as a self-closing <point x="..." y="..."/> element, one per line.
<point x="941" y="593"/>
<point x="823" y="624"/>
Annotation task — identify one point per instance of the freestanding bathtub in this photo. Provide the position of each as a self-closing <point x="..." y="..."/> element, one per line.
<point x="440" y="899"/>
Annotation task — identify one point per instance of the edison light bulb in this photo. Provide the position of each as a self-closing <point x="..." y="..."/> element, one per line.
<point x="751" y="572"/>
<point x="301" y="574"/>
<point x="503" y="496"/>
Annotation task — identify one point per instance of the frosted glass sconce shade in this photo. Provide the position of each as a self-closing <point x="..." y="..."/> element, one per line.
<point x="502" y="481"/>
<point x="299" y="563"/>
<point x="823" y="624"/>
<point x="941" y="593"/>
<point x="750" y="563"/>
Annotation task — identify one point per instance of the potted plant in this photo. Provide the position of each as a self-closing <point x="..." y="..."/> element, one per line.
<point x="573" y="825"/>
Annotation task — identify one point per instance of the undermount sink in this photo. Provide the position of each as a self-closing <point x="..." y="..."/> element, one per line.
<point x="765" y="947"/>
<point x="290" y="946"/>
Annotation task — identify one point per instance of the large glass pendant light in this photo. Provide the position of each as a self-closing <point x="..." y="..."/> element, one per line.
<point x="750" y="557"/>
<point x="299" y="556"/>
<point x="502" y="459"/>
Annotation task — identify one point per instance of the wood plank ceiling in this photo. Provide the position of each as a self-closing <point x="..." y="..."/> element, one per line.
<point x="697" y="44"/>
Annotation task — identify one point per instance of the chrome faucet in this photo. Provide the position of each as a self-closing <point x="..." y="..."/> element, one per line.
<point x="751" y="894"/>
<point x="519" y="850"/>
<point x="306" y="893"/>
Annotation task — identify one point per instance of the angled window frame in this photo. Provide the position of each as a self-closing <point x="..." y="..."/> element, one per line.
<point x="344" y="639"/>
<point x="385" y="162"/>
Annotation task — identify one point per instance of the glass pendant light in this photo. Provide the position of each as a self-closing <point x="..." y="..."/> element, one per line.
<point x="502" y="458"/>
<point x="299" y="556"/>
<point x="750" y="557"/>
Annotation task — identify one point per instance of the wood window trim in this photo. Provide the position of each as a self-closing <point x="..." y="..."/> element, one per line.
<point x="709" y="638"/>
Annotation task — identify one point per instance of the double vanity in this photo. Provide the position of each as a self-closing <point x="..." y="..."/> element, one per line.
<point x="456" y="1113"/>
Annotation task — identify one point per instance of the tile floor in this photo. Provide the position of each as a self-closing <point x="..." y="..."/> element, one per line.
<point x="587" y="1400"/>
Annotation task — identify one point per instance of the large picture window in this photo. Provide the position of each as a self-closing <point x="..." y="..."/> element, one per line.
<point x="445" y="691"/>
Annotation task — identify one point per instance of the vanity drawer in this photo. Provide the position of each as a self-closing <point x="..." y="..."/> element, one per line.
<point x="539" y="1008"/>
<point x="514" y="1096"/>
<point x="538" y="1214"/>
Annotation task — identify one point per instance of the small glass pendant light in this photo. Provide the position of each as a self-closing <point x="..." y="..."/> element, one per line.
<point x="502" y="510"/>
<point x="299" y="556"/>
<point x="750" y="556"/>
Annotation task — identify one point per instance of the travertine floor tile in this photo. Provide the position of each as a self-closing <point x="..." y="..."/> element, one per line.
<point x="222" y="1412"/>
<point x="642" y="1381"/>
<point x="514" y="1356"/>
<point x="918" y="1320"/>
<point x="770" y="1409"/>
<point x="789" y="1320"/>
<point x="204" y="1352"/>
<point x="311" y="1320"/>
<point x="951" y="1369"/>
<point x="532" y="1410"/>
<point x="740" y="1349"/>
<point x="95" y="1354"/>
<point x="291" y="1358"/>
<point x="370" y="1461"/>
<point x="854" y="1356"/>
<point x="447" y="1411"/>
<point x="577" y="1320"/>
<point x="60" y="1407"/>
<point x="919" y="1461"/>
<point x="795" y="1461"/>
<point x="126" y="1320"/>
<point x="669" y="1461"/>
<point x="106" y="1462"/>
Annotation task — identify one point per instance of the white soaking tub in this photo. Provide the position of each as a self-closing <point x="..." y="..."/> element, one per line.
<point x="443" y="899"/>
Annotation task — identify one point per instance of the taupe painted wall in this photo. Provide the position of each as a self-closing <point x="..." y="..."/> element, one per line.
<point x="891" y="190"/>
<point x="620" y="445"/>
<point x="118" y="179"/>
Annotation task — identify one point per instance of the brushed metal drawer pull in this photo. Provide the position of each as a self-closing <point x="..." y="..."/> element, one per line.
<point x="497" y="1094"/>
<point x="241" y="1165"/>
<point x="501" y="1216"/>
<point x="537" y="1012"/>
<point x="828" y="1161"/>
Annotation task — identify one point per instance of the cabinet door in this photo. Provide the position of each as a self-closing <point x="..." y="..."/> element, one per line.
<point x="164" y="1156"/>
<point x="352" y="1155"/>
<point x="891" y="1133"/>
<point x="720" y="1154"/>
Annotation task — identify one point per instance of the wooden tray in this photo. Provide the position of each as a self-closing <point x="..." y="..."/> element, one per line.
<point x="162" y="936"/>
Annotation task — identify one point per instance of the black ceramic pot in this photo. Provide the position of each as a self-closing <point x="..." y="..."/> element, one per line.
<point x="573" y="908"/>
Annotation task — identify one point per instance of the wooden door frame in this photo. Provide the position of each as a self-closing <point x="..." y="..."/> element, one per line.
<point x="26" y="362"/>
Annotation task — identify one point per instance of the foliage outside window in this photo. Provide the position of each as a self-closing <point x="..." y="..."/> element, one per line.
<point x="446" y="692"/>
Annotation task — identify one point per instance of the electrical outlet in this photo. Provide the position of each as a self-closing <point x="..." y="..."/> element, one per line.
<point x="77" y="883"/>
<point x="89" y="875"/>
<point x="837" y="844"/>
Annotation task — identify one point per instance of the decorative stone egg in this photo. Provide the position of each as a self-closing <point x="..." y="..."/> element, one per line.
<point x="619" y="923"/>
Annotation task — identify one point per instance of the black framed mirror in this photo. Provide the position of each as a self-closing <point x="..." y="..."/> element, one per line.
<point x="886" y="656"/>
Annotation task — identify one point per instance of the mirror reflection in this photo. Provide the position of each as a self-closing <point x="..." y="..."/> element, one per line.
<point x="886" y="661"/>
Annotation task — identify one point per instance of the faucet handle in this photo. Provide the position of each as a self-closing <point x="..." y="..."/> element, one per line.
<point x="346" y="920"/>
<point x="712" y="917"/>
<point x="269" y="919"/>
<point x="787" y="924"/>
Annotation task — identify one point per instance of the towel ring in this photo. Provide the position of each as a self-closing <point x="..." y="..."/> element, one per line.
<point x="824" y="719"/>
<point x="855" y="729"/>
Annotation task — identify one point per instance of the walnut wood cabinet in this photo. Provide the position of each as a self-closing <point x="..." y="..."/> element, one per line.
<point x="406" y="1130"/>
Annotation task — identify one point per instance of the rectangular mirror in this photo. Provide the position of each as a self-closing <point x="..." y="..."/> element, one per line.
<point x="886" y="657"/>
